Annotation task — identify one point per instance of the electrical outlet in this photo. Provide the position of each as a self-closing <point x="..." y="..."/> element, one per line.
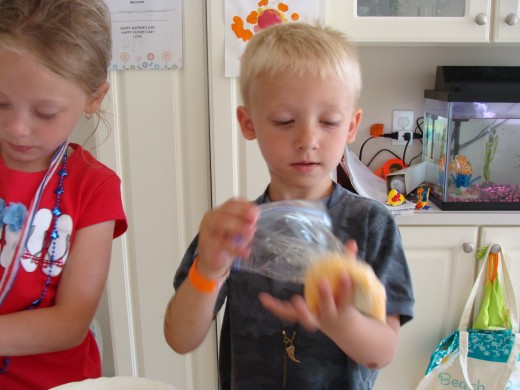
<point x="402" y="122"/>
<point x="402" y="139"/>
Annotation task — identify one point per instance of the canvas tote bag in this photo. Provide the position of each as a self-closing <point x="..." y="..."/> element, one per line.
<point x="477" y="359"/>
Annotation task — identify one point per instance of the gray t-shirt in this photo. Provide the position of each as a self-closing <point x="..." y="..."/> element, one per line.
<point x="252" y="350"/>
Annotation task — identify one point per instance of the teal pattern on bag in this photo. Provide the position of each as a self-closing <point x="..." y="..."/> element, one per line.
<point x="490" y="345"/>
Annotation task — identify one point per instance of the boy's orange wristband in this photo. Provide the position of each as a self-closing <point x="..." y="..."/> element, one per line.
<point x="199" y="282"/>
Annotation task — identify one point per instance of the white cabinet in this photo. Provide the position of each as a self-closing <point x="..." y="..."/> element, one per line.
<point x="443" y="267"/>
<point x="446" y="21"/>
<point x="506" y="23"/>
<point x="442" y="276"/>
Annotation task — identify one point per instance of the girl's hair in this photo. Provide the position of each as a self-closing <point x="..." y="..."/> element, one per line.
<point x="300" y="49"/>
<point x="70" y="37"/>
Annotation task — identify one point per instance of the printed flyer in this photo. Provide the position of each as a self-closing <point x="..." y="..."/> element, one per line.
<point x="146" y="34"/>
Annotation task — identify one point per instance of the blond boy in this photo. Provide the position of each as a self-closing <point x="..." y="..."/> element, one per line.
<point x="300" y="85"/>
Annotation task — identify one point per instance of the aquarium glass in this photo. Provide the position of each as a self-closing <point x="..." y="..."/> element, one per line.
<point x="471" y="152"/>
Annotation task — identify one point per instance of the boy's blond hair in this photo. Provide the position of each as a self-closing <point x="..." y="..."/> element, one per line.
<point x="300" y="48"/>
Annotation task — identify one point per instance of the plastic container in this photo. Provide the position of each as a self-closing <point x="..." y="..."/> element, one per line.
<point x="289" y="236"/>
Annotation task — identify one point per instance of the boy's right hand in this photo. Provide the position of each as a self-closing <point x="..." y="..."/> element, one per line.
<point x="226" y="232"/>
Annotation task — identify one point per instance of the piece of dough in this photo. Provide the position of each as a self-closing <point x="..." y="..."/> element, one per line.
<point x="369" y="292"/>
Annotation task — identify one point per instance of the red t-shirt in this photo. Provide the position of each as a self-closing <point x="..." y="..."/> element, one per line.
<point x="91" y="195"/>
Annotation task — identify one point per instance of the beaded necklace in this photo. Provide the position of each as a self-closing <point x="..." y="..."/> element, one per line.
<point x="56" y="212"/>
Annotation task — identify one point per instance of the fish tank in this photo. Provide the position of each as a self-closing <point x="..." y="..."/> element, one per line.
<point x="471" y="138"/>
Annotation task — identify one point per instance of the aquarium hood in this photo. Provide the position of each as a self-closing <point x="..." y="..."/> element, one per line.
<point x="476" y="84"/>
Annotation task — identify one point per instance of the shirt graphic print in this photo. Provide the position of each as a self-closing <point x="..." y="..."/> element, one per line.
<point x="40" y="247"/>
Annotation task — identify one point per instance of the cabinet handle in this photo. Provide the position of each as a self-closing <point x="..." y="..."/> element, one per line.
<point x="467" y="247"/>
<point x="511" y="19"/>
<point x="481" y="19"/>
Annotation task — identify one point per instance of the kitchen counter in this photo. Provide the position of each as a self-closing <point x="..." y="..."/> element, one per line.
<point x="434" y="216"/>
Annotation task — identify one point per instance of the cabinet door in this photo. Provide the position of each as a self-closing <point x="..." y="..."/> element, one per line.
<point x="508" y="239"/>
<point x="442" y="275"/>
<point x="506" y="23"/>
<point x="449" y="21"/>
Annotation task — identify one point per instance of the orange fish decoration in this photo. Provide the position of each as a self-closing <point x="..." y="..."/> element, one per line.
<point x="460" y="164"/>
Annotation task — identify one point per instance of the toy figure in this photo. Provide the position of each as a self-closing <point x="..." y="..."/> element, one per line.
<point x="395" y="198"/>
<point x="423" y="195"/>
<point x="463" y="172"/>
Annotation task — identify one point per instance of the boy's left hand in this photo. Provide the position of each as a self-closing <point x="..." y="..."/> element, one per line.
<point x="332" y="308"/>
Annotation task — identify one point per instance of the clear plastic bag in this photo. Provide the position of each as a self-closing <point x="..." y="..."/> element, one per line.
<point x="289" y="236"/>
